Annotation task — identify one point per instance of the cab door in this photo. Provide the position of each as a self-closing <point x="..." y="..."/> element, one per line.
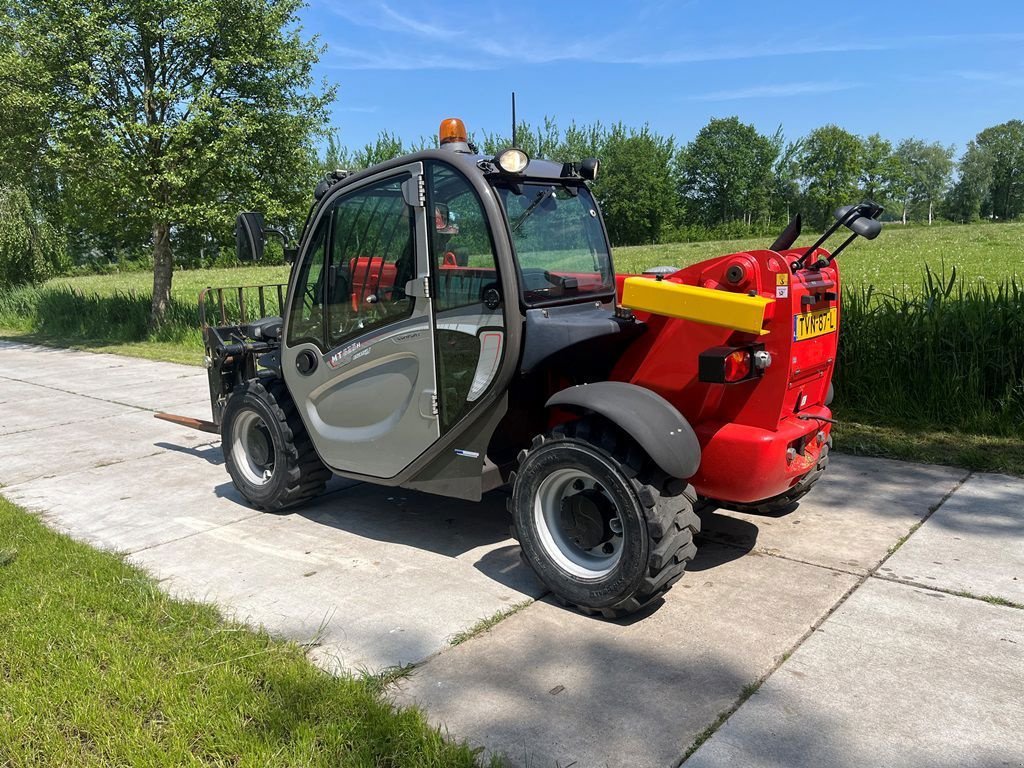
<point x="358" y="355"/>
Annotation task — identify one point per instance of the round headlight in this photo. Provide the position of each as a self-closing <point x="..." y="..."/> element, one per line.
<point x="512" y="160"/>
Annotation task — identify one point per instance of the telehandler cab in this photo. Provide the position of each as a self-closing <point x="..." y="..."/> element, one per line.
<point x="453" y="323"/>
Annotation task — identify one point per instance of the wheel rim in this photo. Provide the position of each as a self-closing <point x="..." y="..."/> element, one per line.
<point x="578" y="523"/>
<point x="252" y="448"/>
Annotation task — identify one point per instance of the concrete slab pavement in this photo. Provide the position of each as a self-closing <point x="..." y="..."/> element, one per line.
<point x="144" y="384"/>
<point x="63" y="449"/>
<point x="898" y="677"/>
<point x="549" y="686"/>
<point x="973" y="543"/>
<point x="26" y="407"/>
<point x="493" y="692"/>
<point x="848" y="522"/>
<point x="375" y="581"/>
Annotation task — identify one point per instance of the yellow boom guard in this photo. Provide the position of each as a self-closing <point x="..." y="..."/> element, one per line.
<point x="689" y="302"/>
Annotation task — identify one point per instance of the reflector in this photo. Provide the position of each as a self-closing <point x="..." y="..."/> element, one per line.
<point x="729" y="365"/>
<point x="737" y="365"/>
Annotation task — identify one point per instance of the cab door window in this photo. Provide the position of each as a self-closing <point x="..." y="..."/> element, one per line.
<point x="469" y="317"/>
<point x="372" y="258"/>
<point x="306" y="324"/>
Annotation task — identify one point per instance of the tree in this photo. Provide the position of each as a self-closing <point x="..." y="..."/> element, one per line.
<point x="878" y="168"/>
<point x="785" y="185"/>
<point x="540" y="142"/>
<point x="30" y="249"/>
<point x="386" y="146"/>
<point x="172" y="114"/>
<point x="926" y="169"/>
<point x="726" y="172"/>
<point x="581" y="142"/>
<point x="971" y="190"/>
<point x="1002" y="152"/>
<point x="635" y="186"/>
<point x="830" y="164"/>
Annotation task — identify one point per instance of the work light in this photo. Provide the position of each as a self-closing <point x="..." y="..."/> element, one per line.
<point x="512" y="160"/>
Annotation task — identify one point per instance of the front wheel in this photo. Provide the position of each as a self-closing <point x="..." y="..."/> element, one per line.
<point x="267" y="452"/>
<point x="603" y="528"/>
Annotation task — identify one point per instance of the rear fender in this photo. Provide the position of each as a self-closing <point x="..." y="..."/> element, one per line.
<point x="645" y="416"/>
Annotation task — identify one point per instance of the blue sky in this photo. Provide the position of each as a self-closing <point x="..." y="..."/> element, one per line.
<point x="937" y="70"/>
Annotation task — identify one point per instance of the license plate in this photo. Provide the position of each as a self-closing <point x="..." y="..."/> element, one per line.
<point x="807" y="325"/>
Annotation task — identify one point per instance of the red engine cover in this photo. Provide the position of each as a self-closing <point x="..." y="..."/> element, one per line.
<point x="746" y="429"/>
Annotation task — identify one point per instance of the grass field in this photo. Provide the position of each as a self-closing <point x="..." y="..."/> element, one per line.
<point x="98" y="667"/>
<point x="895" y="260"/>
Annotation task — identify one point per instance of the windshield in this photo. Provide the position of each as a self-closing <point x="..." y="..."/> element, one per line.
<point x="558" y="241"/>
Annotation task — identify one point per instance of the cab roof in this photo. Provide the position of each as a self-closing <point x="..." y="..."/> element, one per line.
<point x="470" y="164"/>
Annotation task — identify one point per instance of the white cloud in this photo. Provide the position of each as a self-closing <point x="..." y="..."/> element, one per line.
<point x="1013" y="79"/>
<point x="346" y="57"/>
<point x="418" y="27"/>
<point x="777" y="90"/>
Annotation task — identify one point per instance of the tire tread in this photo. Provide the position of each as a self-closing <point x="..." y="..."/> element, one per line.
<point x="668" y="507"/>
<point x="305" y="473"/>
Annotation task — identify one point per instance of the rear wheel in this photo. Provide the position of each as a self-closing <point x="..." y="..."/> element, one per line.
<point x="602" y="527"/>
<point x="267" y="452"/>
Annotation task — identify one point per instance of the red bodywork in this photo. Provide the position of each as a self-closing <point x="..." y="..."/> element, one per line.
<point x="746" y="429"/>
<point x="371" y="276"/>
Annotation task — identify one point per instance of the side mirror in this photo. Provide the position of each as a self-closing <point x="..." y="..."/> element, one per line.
<point x="865" y="227"/>
<point x="861" y="219"/>
<point x="249" y="236"/>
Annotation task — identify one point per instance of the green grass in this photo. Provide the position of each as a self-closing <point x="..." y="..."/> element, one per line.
<point x="98" y="667"/>
<point x="895" y="260"/>
<point x="186" y="286"/>
<point x="990" y="599"/>
<point x="487" y="623"/>
<point x="746" y="692"/>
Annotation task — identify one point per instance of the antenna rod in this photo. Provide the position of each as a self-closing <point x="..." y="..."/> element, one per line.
<point x="513" y="118"/>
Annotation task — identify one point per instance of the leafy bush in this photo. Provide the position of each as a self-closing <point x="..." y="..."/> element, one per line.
<point x="30" y="249"/>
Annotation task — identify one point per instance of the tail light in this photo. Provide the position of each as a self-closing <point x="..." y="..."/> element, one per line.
<point x="731" y="365"/>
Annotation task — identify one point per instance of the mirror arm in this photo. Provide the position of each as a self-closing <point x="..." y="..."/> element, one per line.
<point x="286" y="241"/>
<point x="837" y="251"/>
<point x="853" y="213"/>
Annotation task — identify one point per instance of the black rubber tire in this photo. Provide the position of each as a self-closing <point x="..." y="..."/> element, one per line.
<point x="802" y="488"/>
<point x="657" y="513"/>
<point x="298" y="474"/>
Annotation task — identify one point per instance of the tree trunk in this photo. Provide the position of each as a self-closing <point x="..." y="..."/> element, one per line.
<point x="904" y="213"/>
<point x="929" y="213"/>
<point x="163" y="271"/>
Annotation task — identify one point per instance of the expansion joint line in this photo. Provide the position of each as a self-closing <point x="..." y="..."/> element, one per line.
<point x="749" y="690"/>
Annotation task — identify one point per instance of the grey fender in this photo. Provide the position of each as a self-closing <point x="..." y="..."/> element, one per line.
<point x="830" y="394"/>
<point x="645" y="416"/>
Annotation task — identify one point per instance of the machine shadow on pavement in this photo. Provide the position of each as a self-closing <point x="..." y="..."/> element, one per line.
<point x="210" y="453"/>
<point x="453" y="527"/>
